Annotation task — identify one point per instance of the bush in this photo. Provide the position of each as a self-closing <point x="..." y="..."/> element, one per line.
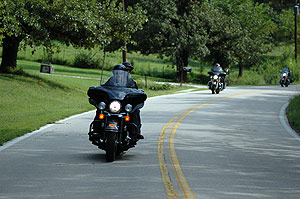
<point x="85" y="60"/>
<point x="249" y="78"/>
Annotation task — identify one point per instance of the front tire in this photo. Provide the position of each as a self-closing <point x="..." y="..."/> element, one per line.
<point x="110" y="147"/>
<point x="213" y="88"/>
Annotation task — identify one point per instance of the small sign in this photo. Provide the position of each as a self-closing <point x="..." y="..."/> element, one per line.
<point x="296" y="10"/>
<point x="46" y="67"/>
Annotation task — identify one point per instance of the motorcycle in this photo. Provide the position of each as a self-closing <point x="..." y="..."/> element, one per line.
<point x="284" y="79"/>
<point x="215" y="83"/>
<point x="112" y="129"/>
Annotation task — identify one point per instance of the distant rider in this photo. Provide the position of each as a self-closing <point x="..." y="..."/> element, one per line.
<point x="218" y="69"/>
<point x="288" y="71"/>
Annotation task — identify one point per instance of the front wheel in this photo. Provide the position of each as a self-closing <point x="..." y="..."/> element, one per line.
<point x="213" y="89"/>
<point x="110" y="147"/>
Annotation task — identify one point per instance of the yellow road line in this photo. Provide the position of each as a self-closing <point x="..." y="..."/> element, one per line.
<point x="171" y="192"/>
<point x="186" y="190"/>
<point x="182" y="182"/>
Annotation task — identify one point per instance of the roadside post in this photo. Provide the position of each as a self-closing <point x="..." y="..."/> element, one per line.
<point x="296" y="12"/>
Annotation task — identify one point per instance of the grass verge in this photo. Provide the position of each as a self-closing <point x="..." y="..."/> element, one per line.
<point x="294" y="113"/>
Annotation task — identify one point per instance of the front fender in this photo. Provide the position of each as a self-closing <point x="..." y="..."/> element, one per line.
<point x="112" y="126"/>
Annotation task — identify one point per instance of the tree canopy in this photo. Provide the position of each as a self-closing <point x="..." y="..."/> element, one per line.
<point x="244" y="35"/>
<point x="85" y="23"/>
<point x="224" y="31"/>
<point x="230" y="32"/>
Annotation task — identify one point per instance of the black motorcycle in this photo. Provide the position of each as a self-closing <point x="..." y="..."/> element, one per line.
<point x="113" y="129"/>
<point x="285" y="79"/>
<point x="215" y="83"/>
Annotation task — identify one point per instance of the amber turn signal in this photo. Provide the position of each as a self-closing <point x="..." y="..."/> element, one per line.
<point x="101" y="116"/>
<point x="127" y="118"/>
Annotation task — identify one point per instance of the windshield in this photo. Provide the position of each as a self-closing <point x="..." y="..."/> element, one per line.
<point x="217" y="68"/>
<point x="119" y="78"/>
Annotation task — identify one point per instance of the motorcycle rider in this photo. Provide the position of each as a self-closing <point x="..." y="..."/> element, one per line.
<point x="136" y="114"/>
<point x="288" y="73"/>
<point x="217" y="68"/>
<point x="117" y="70"/>
<point x="129" y="68"/>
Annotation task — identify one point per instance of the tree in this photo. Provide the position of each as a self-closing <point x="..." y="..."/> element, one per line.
<point x="1" y="27"/>
<point x="278" y="5"/>
<point x="285" y="22"/>
<point x="81" y="23"/>
<point x="175" y="29"/>
<point x="225" y="31"/>
<point x="247" y="33"/>
<point x="124" y="24"/>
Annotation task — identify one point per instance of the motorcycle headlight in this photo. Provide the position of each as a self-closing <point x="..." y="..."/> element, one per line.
<point x="215" y="76"/>
<point x="115" y="106"/>
<point x="128" y="108"/>
<point x="102" y="106"/>
<point x="284" y="74"/>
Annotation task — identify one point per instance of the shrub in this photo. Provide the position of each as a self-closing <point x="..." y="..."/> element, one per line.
<point x="59" y="61"/>
<point x="85" y="60"/>
<point x="249" y="78"/>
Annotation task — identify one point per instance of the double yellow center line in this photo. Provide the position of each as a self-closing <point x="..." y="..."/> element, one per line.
<point x="182" y="182"/>
<point x="186" y="190"/>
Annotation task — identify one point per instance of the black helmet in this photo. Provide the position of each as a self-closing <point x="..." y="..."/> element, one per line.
<point x="120" y="67"/>
<point x="128" y="65"/>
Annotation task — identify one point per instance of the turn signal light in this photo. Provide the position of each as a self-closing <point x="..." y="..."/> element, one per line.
<point x="101" y="116"/>
<point x="127" y="118"/>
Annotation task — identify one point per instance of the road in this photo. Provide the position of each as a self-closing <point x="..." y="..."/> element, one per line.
<point x="197" y="145"/>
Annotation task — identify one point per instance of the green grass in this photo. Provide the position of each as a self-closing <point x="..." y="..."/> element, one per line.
<point x="32" y="100"/>
<point x="294" y="113"/>
<point x="28" y="102"/>
<point x="150" y="65"/>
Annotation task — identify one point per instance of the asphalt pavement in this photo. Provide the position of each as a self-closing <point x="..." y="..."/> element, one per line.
<point x="236" y="144"/>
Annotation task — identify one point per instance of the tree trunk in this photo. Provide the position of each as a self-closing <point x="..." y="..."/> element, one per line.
<point x="181" y="61"/>
<point x="10" y="47"/>
<point x="240" y="71"/>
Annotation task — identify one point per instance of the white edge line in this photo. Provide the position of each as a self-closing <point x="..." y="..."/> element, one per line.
<point x="18" y="139"/>
<point x="283" y="120"/>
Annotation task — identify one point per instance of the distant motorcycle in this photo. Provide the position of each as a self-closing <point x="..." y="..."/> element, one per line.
<point x="112" y="129"/>
<point x="285" y="79"/>
<point x="215" y="83"/>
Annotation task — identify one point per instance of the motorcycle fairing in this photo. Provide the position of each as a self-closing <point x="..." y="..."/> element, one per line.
<point x="116" y="88"/>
